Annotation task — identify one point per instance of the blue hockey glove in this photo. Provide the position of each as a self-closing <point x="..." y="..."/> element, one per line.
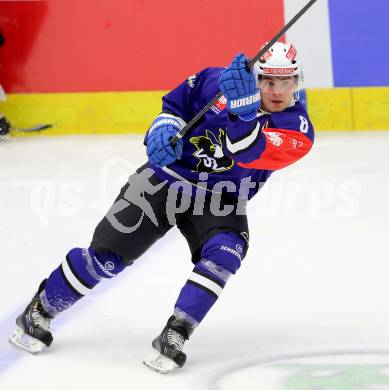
<point x="240" y="88"/>
<point x="159" y="149"/>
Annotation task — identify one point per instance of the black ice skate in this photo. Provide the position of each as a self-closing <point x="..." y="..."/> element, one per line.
<point x="167" y="354"/>
<point x="33" y="326"/>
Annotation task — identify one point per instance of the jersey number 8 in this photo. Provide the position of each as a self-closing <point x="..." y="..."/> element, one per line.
<point x="304" y="126"/>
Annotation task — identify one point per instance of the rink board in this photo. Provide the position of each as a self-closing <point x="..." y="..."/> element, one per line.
<point x="349" y="109"/>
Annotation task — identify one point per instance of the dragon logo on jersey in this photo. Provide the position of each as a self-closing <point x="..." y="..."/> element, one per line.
<point x="210" y="153"/>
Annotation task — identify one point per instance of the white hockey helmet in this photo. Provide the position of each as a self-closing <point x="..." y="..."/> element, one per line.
<point x="280" y="60"/>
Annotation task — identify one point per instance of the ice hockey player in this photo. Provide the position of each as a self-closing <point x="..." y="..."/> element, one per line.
<point x="5" y="126"/>
<point x="257" y="127"/>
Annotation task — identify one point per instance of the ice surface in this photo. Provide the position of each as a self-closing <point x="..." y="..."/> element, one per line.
<point x="315" y="279"/>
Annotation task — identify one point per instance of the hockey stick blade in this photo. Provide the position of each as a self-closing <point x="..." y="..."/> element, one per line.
<point x="261" y="52"/>
<point x="33" y="128"/>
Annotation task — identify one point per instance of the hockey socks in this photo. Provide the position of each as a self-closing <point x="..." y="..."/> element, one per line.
<point x="221" y="257"/>
<point x="81" y="270"/>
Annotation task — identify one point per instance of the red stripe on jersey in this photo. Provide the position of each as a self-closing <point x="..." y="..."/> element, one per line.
<point x="283" y="147"/>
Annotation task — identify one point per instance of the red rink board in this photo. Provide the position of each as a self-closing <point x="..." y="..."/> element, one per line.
<point x="121" y="45"/>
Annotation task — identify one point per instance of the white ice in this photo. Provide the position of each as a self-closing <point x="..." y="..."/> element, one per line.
<point x="315" y="280"/>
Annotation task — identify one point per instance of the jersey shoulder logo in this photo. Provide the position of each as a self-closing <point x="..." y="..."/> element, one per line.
<point x="209" y="152"/>
<point x="274" y="137"/>
<point x="220" y="105"/>
<point x="283" y="141"/>
<point x="191" y="80"/>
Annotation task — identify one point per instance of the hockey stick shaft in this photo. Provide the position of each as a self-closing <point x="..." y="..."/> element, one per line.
<point x="261" y="52"/>
<point x="33" y="128"/>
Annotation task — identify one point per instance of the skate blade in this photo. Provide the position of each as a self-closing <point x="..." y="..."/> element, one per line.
<point x="160" y="363"/>
<point x="23" y="341"/>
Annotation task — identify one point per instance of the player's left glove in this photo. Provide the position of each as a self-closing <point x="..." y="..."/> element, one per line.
<point x="159" y="149"/>
<point x="239" y="86"/>
<point x="5" y="126"/>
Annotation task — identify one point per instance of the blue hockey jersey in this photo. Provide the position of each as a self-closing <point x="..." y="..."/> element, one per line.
<point x="226" y="152"/>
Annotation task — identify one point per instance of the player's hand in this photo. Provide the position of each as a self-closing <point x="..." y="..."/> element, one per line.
<point x="159" y="149"/>
<point x="239" y="86"/>
<point x="5" y="126"/>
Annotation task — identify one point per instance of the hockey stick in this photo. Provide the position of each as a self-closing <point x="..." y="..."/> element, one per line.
<point x="33" y="128"/>
<point x="261" y="52"/>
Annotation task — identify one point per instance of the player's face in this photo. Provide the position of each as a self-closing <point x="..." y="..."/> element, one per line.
<point x="276" y="92"/>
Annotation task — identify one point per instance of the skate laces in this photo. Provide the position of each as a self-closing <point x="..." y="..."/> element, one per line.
<point x="175" y="338"/>
<point x="38" y="318"/>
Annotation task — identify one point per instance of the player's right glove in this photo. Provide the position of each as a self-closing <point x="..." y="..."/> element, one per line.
<point x="239" y="86"/>
<point x="5" y="126"/>
<point x="159" y="149"/>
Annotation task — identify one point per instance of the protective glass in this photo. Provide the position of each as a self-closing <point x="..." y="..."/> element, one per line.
<point x="278" y="84"/>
